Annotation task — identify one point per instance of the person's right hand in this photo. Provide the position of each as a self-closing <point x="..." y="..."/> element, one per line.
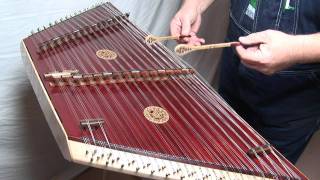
<point x="187" y="22"/>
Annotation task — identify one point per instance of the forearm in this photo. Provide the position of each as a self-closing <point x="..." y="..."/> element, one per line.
<point x="201" y="5"/>
<point x="306" y="48"/>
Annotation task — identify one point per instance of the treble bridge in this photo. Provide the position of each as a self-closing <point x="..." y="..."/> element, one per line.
<point x="74" y="78"/>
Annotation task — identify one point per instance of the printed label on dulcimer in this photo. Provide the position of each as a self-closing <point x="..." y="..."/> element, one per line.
<point x="156" y="114"/>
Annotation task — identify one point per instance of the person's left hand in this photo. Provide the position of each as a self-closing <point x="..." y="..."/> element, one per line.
<point x="268" y="51"/>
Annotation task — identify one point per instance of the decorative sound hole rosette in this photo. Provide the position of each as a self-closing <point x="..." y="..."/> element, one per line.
<point x="106" y="54"/>
<point x="156" y="114"/>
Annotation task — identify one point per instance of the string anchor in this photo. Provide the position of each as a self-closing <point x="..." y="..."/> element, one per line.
<point x="131" y="163"/>
<point x="183" y="49"/>
<point x="152" y="172"/>
<point x="150" y="39"/>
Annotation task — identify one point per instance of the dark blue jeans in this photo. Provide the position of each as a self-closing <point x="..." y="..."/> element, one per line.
<point x="285" y="107"/>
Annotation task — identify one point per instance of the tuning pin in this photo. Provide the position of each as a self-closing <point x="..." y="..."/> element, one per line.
<point x="61" y="19"/>
<point x="44" y="27"/>
<point x="50" y="24"/>
<point x="56" y="22"/>
<point x="32" y="32"/>
<point x="79" y="12"/>
<point x="38" y="29"/>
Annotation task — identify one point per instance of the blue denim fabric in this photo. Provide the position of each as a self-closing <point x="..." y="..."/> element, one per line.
<point x="284" y="107"/>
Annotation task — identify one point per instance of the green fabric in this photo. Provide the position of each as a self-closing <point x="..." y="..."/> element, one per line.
<point x="253" y="3"/>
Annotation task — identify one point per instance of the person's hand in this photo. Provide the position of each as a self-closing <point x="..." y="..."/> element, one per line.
<point x="187" y="22"/>
<point x="268" y="51"/>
